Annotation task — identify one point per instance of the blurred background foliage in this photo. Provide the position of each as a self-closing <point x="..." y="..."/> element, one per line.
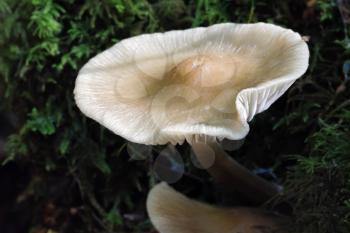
<point x="61" y="172"/>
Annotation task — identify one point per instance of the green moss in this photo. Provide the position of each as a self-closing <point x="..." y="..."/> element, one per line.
<point x="318" y="186"/>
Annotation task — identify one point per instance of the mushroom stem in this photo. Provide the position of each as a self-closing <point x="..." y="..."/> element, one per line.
<point x="232" y="176"/>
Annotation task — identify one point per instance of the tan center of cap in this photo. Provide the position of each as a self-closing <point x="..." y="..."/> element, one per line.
<point x="206" y="70"/>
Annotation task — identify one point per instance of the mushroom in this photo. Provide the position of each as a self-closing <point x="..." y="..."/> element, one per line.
<point x="172" y="212"/>
<point x="200" y="85"/>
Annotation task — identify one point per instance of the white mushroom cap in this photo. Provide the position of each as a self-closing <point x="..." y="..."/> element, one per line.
<point x="168" y="87"/>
